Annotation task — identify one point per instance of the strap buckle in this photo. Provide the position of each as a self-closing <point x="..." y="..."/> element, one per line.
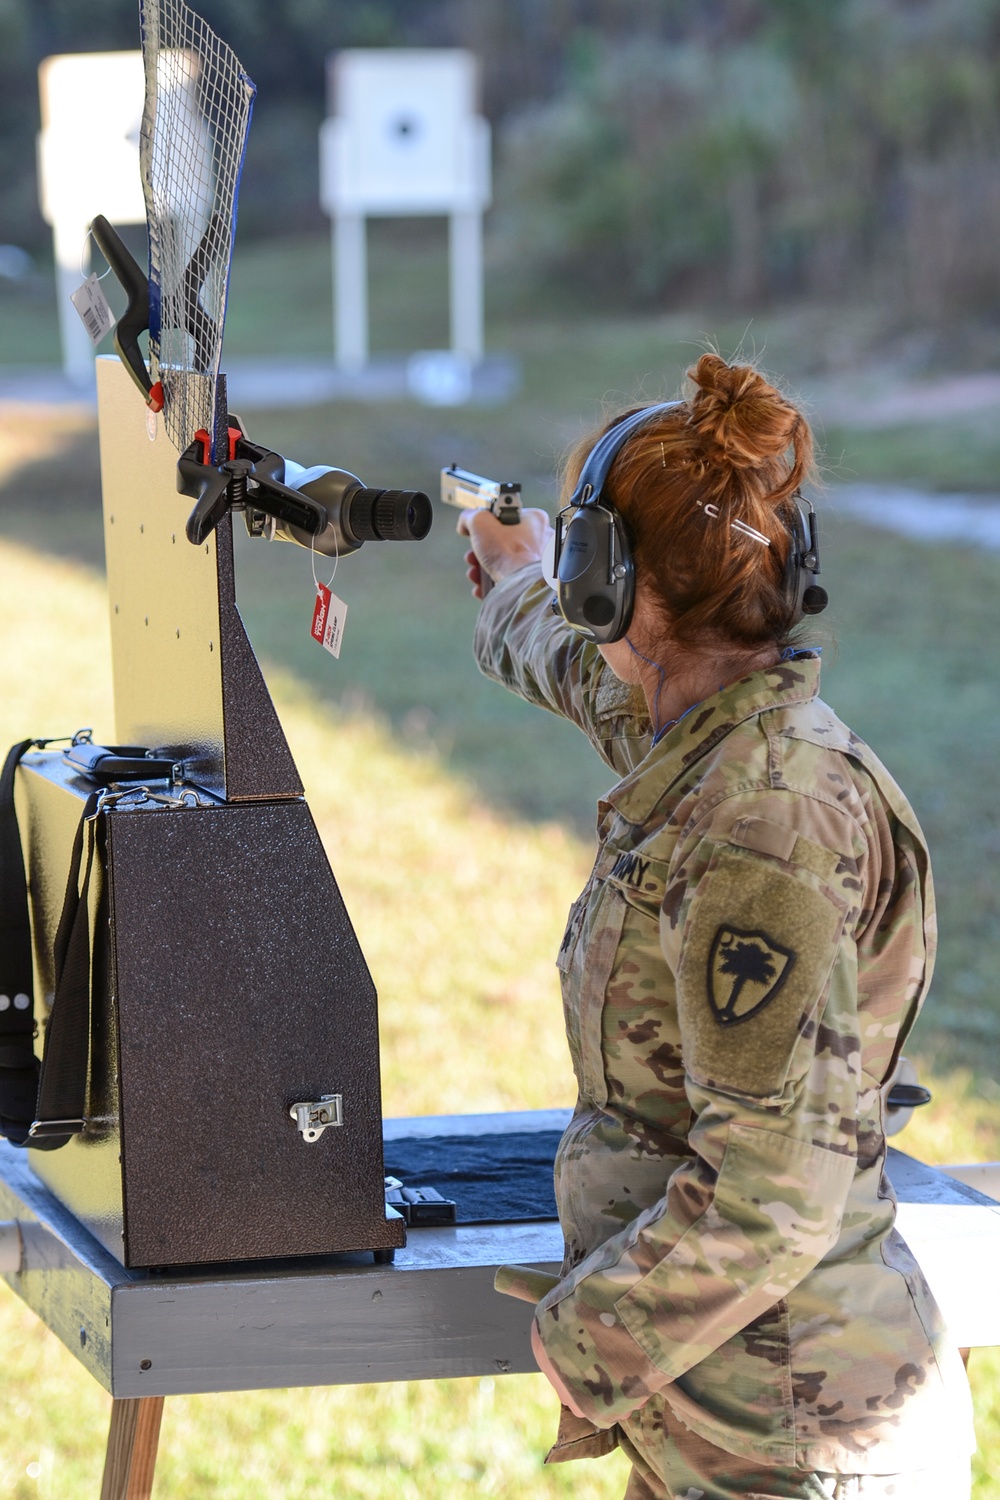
<point x="40" y="1128"/>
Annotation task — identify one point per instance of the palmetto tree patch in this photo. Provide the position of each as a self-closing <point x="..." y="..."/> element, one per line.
<point x="746" y="970"/>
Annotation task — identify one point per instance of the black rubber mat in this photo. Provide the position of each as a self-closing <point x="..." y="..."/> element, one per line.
<point x="492" y="1178"/>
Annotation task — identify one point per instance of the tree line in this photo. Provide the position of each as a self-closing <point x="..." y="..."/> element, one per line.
<point x="647" y="151"/>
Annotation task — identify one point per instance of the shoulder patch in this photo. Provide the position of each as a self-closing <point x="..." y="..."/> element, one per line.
<point x="745" y="972"/>
<point x="756" y="954"/>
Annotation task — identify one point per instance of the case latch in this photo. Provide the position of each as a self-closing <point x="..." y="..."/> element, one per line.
<point x="313" y="1116"/>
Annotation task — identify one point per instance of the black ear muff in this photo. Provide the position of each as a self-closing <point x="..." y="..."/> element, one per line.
<point x="594" y="572"/>
<point x="804" y="594"/>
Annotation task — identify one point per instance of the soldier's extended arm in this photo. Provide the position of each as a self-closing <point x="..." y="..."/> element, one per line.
<point x="520" y="643"/>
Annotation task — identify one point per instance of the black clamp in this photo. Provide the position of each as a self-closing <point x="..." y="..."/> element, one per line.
<point x="136" y="317"/>
<point x="249" y="478"/>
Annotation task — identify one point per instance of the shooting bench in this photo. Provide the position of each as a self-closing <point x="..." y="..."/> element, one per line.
<point x="340" y="1320"/>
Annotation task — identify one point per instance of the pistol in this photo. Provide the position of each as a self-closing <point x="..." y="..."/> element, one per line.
<point x="468" y="491"/>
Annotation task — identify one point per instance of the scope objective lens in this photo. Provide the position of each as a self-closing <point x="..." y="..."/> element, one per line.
<point x="389" y="515"/>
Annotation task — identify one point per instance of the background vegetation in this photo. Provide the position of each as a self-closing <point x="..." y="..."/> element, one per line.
<point x="647" y="153"/>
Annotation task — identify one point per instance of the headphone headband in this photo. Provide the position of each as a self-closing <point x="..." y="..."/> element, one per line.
<point x="597" y="465"/>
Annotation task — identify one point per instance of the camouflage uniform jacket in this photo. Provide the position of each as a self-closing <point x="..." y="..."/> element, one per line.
<point x="739" y="974"/>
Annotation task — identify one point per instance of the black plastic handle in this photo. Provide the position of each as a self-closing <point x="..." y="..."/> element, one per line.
<point x="208" y="487"/>
<point x="908" y="1096"/>
<point x="199" y="325"/>
<point x="135" y="319"/>
<point x="278" y="499"/>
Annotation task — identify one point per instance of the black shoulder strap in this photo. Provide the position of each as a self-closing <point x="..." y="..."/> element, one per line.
<point x="62" y="1087"/>
<point x="43" y="1105"/>
<point x="19" y="1066"/>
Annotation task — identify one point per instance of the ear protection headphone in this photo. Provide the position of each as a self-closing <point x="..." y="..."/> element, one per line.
<point x="593" y="566"/>
<point x="805" y="596"/>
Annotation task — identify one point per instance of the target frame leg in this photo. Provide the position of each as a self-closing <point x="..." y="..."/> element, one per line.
<point x="350" y="291"/>
<point x="133" y="1439"/>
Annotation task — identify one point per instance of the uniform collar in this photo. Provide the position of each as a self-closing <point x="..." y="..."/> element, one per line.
<point x="784" y="685"/>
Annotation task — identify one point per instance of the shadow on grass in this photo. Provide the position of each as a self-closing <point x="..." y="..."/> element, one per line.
<point x="50" y="485"/>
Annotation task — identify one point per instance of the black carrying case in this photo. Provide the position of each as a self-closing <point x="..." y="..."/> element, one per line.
<point x="185" y="1008"/>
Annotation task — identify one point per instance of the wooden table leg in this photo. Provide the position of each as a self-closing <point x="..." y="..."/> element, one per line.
<point x="131" y="1457"/>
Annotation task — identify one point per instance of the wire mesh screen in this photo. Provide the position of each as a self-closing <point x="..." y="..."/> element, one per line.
<point x="199" y="100"/>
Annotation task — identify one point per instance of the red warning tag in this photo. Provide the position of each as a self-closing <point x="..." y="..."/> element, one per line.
<point x="328" y="619"/>
<point x="320" y="612"/>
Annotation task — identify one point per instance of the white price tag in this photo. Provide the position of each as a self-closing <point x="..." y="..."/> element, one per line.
<point x="92" y="305"/>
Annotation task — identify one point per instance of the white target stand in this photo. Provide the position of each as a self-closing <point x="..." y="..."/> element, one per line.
<point x="403" y="139"/>
<point x="88" y="163"/>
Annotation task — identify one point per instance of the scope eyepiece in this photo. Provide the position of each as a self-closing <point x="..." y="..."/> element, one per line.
<point x="388" y="515"/>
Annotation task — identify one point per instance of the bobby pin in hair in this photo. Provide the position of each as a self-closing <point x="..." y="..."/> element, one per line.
<point x="758" y="536"/>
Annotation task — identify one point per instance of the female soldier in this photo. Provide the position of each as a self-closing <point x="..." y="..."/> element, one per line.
<point x="736" y="1309"/>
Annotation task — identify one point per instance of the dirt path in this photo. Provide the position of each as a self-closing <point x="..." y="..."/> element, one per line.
<point x="33" y="401"/>
<point x="970" y="520"/>
<point x="869" y="401"/>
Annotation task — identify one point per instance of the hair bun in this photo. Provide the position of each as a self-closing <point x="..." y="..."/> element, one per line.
<point x="738" y="416"/>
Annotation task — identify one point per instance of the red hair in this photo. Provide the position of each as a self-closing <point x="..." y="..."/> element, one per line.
<point x="735" y="450"/>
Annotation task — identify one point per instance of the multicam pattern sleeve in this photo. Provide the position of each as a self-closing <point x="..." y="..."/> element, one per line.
<point x="521" y="644"/>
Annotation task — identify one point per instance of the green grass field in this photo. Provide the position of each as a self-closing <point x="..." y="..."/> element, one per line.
<point x="487" y="808"/>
